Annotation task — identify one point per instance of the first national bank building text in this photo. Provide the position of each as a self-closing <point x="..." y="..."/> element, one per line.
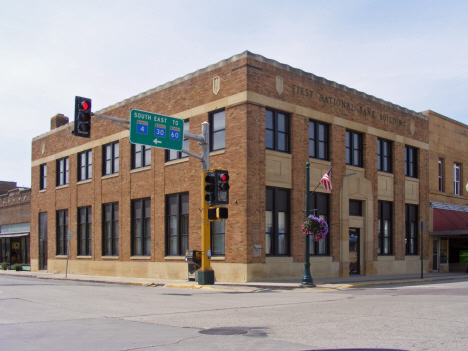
<point x="135" y="208"/>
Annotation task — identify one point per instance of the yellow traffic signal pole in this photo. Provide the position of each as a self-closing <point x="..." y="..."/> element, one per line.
<point x="205" y="228"/>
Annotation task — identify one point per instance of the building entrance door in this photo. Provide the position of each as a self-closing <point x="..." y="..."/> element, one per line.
<point x="354" y="248"/>
<point x="43" y="241"/>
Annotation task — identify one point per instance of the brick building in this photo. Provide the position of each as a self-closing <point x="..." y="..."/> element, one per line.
<point x="15" y="214"/>
<point x="135" y="210"/>
<point x="448" y="193"/>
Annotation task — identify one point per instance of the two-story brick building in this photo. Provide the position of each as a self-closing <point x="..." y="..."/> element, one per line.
<point x="135" y="210"/>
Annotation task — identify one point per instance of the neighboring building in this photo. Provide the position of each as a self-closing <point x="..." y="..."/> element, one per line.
<point x="15" y="215"/>
<point x="135" y="210"/>
<point x="448" y="186"/>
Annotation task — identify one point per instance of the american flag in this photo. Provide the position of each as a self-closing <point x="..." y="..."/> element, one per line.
<point x="326" y="181"/>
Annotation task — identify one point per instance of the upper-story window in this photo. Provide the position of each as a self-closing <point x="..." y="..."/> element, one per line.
<point x="354" y="148"/>
<point x="110" y="156"/>
<point x="318" y="140"/>
<point x="411" y="157"/>
<point x="384" y="155"/>
<point x="43" y="176"/>
<point x="217" y="130"/>
<point x="141" y="156"/>
<point x="172" y="155"/>
<point x="85" y="165"/>
<point x="456" y="178"/>
<point x="62" y="171"/>
<point x="441" y="174"/>
<point x="276" y="130"/>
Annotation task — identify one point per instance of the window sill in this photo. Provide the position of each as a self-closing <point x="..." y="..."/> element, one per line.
<point x="319" y="161"/>
<point x="140" y="258"/>
<point x="42" y="191"/>
<point x="141" y="169"/>
<point x="174" y="162"/>
<point x="61" y="257"/>
<point x="175" y="258"/>
<point x="386" y="174"/>
<point x="218" y="258"/>
<point x="84" y="257"/>
<point x="110" y="176"/>
<point x="217" y="152"/>
<point x="278" y="153"/>
<point x="84" y="181"/>
<point x="412" y="179"/>
<point x="109" y="257"/>
<point x="354" y="168"/>
<point x="61" y="186"/>
<point x="386" y="258"/>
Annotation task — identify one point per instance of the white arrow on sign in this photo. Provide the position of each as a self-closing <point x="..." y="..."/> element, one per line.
<point x="156" y="141"/>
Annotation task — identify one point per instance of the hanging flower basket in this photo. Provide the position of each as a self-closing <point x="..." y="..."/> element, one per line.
<point x="316" y="227"/>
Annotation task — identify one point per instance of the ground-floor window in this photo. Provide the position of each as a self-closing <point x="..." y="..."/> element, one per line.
<point x="141" y="227"/>
<point x="277" y="221"/>
<point x="62" y="232"/>
<point x="319" y="207"/>
<point x="411" y="239"/>
<point x="384" y="228"/>
<point x="217" y="238"/>
<point x="110" y="229"/>
<point x="14" y="250"/>
<point x="84" y="231"/>
<point x="177" y="224"/>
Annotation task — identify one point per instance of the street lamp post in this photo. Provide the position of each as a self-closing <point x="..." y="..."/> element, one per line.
<point x="307" y="277"/>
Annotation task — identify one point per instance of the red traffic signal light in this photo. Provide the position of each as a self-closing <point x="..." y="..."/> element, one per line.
<point x="82" y="117"/>
<point x="222" y="187"/>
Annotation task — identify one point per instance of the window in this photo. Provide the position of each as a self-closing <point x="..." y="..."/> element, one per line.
<point x="84" y="231"/>
<point x="384" y="228"/>
<point x="217" y="130"/>
<point x="353" y="148"/>
<point x="43" y="176"/>
<point x="110" y="230"/>
<point x="411" y="162"/>
<point x="110" y="156"/>
<point x="62" y="171"/>
<point x="441" y="174"/>
<point x="319" y="206"/>
<point x="141" y="227"/>
<point x="411" y="239"/>
<point x="456" y="179"/>
<point x="62" y="232"/>
<point x="141" y="156"/>
<point x="384" y="155"/>
<point x="217" y="238"/>
<point x="85" y="165"/>
<point x="172" y="155"/>
<point x="177" y="224"/>
<point x="318" y="140"/>
<point x="277" y="222"/>
<point x="355" y="208"/>
<point x="276" y="131"/>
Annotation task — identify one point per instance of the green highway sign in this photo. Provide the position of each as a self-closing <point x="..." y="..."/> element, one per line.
<point x="156" y="130"/>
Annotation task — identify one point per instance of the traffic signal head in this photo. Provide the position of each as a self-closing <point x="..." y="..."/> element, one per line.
<point x="82" y="117"/>
<point x="222" y="187"/>
<point x="217" y="213"/>
<point x="210" y="187"/>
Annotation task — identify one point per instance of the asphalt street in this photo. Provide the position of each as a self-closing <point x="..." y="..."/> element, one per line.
<point x="43" y="314"/>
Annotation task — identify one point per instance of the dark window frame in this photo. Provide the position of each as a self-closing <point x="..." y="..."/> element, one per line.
<point x="457" y="178"/>
<point x="62" y="171"/>
<point x="85" y="171"/>
<point x="385" y="215"/>
<point x="219" y="131"/>
<point x="441" y="174"/>
<point x="173" y="155"/>
<point x="110" y="243"/>
<point x="411" y="162"/>
<point x="319" y="144"/>
<point x="320" y="202"/>
<point x="355" y="208"/>
<point x="61" y="232"/>
<point x="354" y="153"/>
<point x="182" y="219"/>
<point x="111" y="160"/>
<point x="218" y="238"/>
<point x="274" y="132"/>
<point x="411" y="232"/>
<point x="384" y="156"/>
<point x="43" y="176"/>
<point x="278" y="201"/>
<point x="141" y="156"/>
<point x="141" y="227"/>
<point x="84" y="237"/>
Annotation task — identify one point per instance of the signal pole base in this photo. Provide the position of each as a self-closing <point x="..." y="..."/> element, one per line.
<point x="205" y="277"/>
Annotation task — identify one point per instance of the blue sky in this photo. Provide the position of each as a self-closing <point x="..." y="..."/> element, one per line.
<point x="411" y="53"/>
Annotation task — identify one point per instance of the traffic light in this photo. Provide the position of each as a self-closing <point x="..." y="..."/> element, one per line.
<point x="210" y="187"/>
<point x="222" y="187"/>
<point x="217" y="213"/>
<point x="82" y="117"/>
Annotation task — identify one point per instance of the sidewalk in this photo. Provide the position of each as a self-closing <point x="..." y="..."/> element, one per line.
<point x="332" y="283"/>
